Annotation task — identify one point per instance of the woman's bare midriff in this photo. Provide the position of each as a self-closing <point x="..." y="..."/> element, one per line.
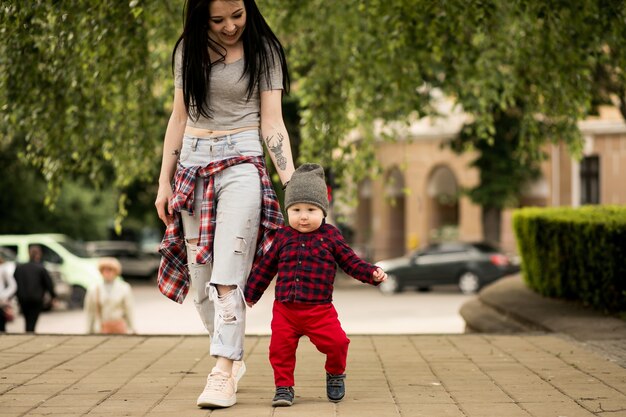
<point x="206" y="133"/>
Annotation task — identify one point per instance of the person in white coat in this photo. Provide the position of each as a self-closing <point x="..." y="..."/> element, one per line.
<point x="8" y="286"/>
<point x="109" y="304"/>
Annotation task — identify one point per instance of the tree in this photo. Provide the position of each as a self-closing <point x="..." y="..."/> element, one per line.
<point x="80" y="88"/>
<point x="502" y="172"/>
<point x="553" y="70"/>
<point x="81" y="212"/>
<point x="85" y="86"/>
<point x="353" y="62"/>
<point x="530" y="60"/>
<point x="610" y="71"/>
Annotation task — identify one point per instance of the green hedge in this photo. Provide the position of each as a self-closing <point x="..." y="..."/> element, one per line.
<point x="575" y="253"/>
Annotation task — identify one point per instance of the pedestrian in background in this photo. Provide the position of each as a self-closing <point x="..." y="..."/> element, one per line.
<point x="230" y="74"/>
<point x="8" y="286"/>
<point x="33" y="283"/>
<point x="109" y="304"/>
<point x="304" y="258"/>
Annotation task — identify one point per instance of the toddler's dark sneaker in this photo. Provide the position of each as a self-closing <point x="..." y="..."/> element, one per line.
<point x="335" y="387"/>
<point x="284" y="397"/>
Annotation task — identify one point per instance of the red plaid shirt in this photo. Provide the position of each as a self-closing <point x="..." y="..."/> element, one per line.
<point x="306" y="264"/>
<point x="173" y="277"/>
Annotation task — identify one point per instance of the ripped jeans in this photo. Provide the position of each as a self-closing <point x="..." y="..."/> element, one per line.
<point x="238" y="195"/>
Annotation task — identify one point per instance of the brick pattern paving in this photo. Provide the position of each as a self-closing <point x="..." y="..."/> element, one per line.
<point x="405" y="376"/>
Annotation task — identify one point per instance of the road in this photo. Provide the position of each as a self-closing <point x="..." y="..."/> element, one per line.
<point x="362" y="310"/>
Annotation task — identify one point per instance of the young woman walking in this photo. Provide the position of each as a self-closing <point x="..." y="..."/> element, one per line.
<point x="221" y="213"/>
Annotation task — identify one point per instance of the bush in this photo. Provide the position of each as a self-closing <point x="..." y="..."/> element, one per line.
<point x="575" y="253"/>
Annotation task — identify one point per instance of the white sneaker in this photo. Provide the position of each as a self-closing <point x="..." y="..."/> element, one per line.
<point x="239" y="369"/>
<point x="219" y="390"/>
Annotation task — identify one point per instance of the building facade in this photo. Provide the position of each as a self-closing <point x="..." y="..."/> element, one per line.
<point x="417" y="199"/>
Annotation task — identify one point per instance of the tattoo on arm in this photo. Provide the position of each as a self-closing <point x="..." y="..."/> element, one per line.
<point x="276" y="146"/>
<point x="176" y="152"/>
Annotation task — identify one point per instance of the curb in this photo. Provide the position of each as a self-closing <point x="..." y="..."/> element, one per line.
<point x="521" y="309"/>
<point x="482" y="318"/>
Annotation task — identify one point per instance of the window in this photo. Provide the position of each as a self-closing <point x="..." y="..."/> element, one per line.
<point x="49" y="255"/>
<point x="590" y="180"/>
<point x="8" y="253"/>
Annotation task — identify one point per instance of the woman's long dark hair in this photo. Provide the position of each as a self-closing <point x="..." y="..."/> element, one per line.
<point x="260" y="47"/>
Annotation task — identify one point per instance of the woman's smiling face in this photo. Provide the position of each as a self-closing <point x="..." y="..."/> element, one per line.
<point x="227" y="21"/>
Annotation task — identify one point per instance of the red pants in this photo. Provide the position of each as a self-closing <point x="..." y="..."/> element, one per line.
<point x="320" y="324"/>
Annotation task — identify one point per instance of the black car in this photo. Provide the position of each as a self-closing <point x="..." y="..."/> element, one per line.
<point x="469" y="265"/>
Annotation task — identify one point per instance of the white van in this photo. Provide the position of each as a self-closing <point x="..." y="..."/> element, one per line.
<point x="71" y="267"/>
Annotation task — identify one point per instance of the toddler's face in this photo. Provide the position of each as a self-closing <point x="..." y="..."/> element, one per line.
<point x="305" y="217"/>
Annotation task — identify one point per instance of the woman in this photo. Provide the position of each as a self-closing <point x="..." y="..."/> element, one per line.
<point x="109" y="304"/>
<point x="230" y="73"/>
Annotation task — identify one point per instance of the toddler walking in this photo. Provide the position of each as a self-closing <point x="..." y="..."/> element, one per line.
<point x="305" y="255"/>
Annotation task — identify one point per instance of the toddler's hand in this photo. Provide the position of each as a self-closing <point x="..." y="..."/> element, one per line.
<point x="379" y="275"/>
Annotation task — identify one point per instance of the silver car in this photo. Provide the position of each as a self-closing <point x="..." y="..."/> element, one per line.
<point x="135" y="262"/>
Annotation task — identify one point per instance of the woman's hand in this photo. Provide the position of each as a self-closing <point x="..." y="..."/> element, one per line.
<point x="162" y="204"/>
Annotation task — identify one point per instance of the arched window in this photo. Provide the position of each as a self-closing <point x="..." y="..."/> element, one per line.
<point x="443" y="204"/>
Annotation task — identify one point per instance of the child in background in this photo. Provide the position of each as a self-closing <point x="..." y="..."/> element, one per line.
<point x="305" y="255"/>
<point x="109" y="304"/>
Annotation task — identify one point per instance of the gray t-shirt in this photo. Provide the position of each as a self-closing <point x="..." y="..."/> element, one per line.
<point x="229" y="102"/>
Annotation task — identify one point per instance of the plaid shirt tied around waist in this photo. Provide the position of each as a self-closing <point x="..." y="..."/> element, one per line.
<point x="173" y="279"/>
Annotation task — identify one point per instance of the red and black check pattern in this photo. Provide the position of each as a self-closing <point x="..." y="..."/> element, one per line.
<point x="173" y="273"/>
<point x="306" y="264"/>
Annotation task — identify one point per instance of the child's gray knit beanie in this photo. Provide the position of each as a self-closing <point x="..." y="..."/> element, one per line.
<point x="307" y="185"/>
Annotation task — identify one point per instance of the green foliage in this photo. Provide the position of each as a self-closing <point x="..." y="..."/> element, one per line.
<point x="80" y="88"/>
<point x="85" y="86"/>
<point x="368" y="66"/>
<point x="358" y="61"/>
<point x="504" y="168"/>
<point x="80" y="212"/>
<point x="575" y="253"/>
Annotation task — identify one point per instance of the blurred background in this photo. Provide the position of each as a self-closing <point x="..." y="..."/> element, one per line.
<point x="434" y="121"/>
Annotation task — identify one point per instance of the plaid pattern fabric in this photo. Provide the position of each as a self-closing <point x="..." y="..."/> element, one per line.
<point x="306" y="264"/>
<point x="173" y="277"/>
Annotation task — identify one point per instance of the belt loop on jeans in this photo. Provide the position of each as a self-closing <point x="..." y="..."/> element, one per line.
<point x="194" y="144"/>
<point x="230" y="140"/>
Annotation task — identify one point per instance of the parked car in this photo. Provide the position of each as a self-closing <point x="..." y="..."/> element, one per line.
<point x="135" y="262"/>
<point x="469" y="265"/>
<point x="70" y="266"/>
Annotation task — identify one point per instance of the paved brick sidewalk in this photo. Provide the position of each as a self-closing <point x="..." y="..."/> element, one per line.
<point x="432" y="376"/>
